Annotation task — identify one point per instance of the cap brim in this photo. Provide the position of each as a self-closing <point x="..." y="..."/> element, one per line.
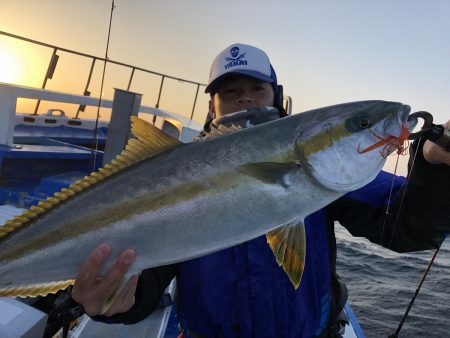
<point x="211" y="88"/>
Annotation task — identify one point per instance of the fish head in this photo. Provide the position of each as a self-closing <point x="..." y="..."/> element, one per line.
<point x="348" y="147"/>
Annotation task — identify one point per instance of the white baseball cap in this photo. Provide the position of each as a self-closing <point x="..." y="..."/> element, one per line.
<point x="241" y="59"/>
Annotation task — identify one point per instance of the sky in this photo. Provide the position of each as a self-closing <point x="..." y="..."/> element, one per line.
<point x="324" y="52"/>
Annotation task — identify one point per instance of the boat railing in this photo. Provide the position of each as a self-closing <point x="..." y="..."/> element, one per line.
<point x="53" y="62"/>
<point x="9" y="95"/>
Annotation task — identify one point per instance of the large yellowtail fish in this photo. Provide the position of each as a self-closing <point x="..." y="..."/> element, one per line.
<point x="193" y="199"/>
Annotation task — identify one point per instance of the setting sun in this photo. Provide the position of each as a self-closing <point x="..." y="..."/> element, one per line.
<point x="21" y="63"/>
<point x="8" y="66"/>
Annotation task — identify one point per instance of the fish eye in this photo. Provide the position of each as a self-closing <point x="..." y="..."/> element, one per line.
<point x="358" y="122"/>
<point x="364" y="123"/>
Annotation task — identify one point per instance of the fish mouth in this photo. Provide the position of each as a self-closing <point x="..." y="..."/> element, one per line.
<point x="398" y="140"/>
<point x="404" y="118"/>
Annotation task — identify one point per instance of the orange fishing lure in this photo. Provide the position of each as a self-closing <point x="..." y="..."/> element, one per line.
<point x="400" y="143"/>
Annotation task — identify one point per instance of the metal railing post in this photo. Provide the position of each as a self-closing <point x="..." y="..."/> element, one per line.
<point x="125" y="104"/>
<point x="50" y="71"/>
<point x="86" y="92"/>
<point x="159" y="96"/>
<point x="7" y="115"/>
<point x="131" y="78"/>
<point x="195" y="101"/>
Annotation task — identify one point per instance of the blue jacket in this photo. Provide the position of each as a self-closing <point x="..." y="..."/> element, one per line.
<point x="241" y="291"/>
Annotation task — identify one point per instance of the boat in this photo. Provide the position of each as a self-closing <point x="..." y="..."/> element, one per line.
<point x="42" y="152"/>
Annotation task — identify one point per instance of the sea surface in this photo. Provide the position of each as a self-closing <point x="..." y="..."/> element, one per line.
<point x="381" y="284"/>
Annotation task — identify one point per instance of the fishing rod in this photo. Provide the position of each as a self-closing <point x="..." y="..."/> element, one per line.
<point x="400" y="325"/>
<point x="433" y="132"/>
<point x="441" y="136"/>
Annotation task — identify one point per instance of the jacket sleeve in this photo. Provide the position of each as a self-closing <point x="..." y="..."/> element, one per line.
<point x="414" y="217"/>
<point x="150" y="288"/>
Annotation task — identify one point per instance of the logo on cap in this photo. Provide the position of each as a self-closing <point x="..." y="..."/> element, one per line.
<point x="235" y="59"/>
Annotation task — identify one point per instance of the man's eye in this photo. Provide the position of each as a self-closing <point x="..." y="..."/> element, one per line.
<point x="259" y="88"/>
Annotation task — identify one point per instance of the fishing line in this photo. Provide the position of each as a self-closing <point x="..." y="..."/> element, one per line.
<point x="94" y="146"/>
<point x="387" y="213"/>
<point x="400" y="325"/>
<point x="403" y="195"/>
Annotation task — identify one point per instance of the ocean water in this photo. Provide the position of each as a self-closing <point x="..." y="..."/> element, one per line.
<point x="381" y="284"/>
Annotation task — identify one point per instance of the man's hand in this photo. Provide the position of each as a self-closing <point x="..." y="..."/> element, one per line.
<point x="92" y="292"/>
<point x="436" y="154"/>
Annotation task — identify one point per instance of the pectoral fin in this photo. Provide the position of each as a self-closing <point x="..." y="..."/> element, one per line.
<point x="270" y="172"/>
<point x="288" y="244"/>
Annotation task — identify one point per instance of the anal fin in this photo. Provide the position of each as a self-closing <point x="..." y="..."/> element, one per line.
<point x="35" y="290"/>
<point x="288" y="244"/>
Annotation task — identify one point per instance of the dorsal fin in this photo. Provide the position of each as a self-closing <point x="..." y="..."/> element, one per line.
<point x="35" y="290"/>
<point x="149" y="141"/>
<point x="152" y="137"/>
<point x="288" y="244"/>
<point x="221" y="130"/>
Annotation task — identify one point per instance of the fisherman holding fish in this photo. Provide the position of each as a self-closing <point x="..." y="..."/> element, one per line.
<point x="241" y="291"/>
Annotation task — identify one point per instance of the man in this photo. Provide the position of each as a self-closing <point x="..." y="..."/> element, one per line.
<point x="241" y="291"/>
